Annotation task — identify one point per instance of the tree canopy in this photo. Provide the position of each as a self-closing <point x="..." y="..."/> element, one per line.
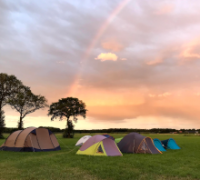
<point x="25" y="102"/>
<point x="9" y="84"/>
<point x="66" y="108"/>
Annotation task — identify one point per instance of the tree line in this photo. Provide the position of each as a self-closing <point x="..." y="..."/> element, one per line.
<point x="114" y="130"/>
<point x="126" y="130"/>
<point x="20" y="98"/>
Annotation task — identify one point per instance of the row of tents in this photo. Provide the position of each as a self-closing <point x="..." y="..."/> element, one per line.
<point x="41" y="139"/>
<point x="106" y="145"/>
<point x="165" y="144"/>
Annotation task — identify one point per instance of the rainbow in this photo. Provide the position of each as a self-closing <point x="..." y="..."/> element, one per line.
<point x="100" y="32"/>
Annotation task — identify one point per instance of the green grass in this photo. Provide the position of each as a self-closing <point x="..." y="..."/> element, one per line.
<point x="181" y="164"/>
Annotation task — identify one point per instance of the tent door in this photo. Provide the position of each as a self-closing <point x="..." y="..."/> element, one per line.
<point x="143" y="148"/>
<point x="99" y="149"/>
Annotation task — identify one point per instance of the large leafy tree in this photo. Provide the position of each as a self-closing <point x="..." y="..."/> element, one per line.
<point x="9" y="84"/>
<point x="66" y="108"/>
<point x="25" y="102"/>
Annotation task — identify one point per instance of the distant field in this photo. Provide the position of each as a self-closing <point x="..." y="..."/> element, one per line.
<point x="181" y="164"/>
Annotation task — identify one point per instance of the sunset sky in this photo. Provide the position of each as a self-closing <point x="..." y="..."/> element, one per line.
<point x="136" y="64"/>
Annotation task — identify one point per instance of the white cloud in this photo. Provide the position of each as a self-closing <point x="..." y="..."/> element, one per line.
<point x="107" y="57"/>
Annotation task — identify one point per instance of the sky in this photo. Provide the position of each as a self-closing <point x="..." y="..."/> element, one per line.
<point x="135" y="64"/>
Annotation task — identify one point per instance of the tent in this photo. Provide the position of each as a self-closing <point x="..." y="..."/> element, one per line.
<point x="170" y="144"/>
<point x="118" y="140"/>
<point x="158" y="144"/>
<point x="109" y="136"/>
<point x="82" y="140"/>
<point x="31" y="139"/>
<point x="136" y="143"/>
<point x="99" y="145"/>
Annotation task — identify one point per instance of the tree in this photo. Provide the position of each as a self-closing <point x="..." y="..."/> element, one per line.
<point x="8" y="86"/>
<point x="69" y="130"/>
<point x="66" y="108"/>
<point x="25" y="102"/>
<point x="2" y="123"/>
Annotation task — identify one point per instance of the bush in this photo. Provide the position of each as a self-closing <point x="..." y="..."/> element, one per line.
<point x="2" y="137"/>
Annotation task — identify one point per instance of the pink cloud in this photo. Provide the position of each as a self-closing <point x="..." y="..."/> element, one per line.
<point x="165" y="94"/>
<point x="154" y="62"/>
<point x="191" y="50"/>
<point x="152" y="95"/>
<point x="166" y="9"/>
<point x="60" y="62"/>
<point x="112" y="45"/>
<point x="197" y="94"/>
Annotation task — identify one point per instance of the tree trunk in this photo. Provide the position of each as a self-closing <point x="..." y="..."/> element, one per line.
<point x="68" y="130"/>
<point x="20" y="123"/>
<point x="1" y="133"/>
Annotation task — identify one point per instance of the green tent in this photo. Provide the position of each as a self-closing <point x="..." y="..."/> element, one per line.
<point x="118" y="140"/>
<point x="99" y="145"/>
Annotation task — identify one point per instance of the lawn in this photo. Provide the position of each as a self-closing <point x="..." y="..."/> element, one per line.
<point x="181" y="164"/>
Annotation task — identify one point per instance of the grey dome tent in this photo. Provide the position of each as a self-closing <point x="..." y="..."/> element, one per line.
<point x="31" y="139"/>
<point x="136" y="143"/>
<point x="82" y="140"/>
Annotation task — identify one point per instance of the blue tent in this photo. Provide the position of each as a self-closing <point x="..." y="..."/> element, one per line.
<point x="158" y="144"/>
<point x="109" y="136"/>
<point x="170" y="144"/>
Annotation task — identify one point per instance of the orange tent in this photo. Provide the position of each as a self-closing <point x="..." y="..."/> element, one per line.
<point x="31" y="139"/>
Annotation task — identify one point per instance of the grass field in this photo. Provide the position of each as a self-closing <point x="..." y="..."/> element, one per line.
<point x="181" y="164"/>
